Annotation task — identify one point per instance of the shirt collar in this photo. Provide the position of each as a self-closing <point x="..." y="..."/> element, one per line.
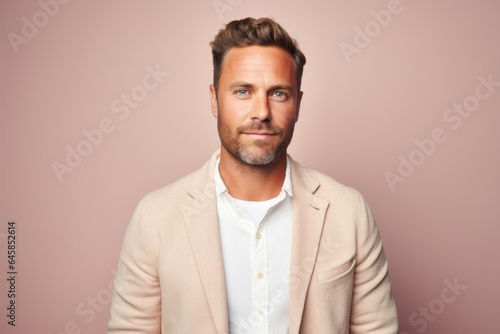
<point x="220" y="187"/>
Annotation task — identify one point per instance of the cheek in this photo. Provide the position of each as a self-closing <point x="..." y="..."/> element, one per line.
<point x="285" y="117"/>
<point x="228" y="119"/>
<point x="234" y="112"/>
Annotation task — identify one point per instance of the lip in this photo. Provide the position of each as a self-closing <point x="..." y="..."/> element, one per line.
<point x="257" y="133"/>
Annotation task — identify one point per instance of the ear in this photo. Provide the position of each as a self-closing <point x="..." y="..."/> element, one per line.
<point x="213" y="101"/>
<point x="299" y="100"/>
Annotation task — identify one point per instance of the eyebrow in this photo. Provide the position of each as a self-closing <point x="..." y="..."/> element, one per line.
<point x="244" y="84"/>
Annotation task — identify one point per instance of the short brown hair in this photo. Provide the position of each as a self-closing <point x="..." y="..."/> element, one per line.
<point x="250" y="31"/>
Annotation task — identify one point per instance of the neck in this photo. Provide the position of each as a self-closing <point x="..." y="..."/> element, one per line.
<point x="252" y="183"/>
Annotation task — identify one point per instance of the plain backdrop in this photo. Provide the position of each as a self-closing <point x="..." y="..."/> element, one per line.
<point x="381" y="78"/>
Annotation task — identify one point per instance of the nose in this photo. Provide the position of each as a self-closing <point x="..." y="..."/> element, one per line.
<point x="260" y="108"/>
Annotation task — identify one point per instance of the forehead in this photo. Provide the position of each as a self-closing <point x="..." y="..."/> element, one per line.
<point x="256" y="60"/>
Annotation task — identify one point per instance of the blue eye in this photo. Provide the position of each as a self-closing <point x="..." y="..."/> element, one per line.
<point x="241" y="92"/>
<point x="280" y="95"/>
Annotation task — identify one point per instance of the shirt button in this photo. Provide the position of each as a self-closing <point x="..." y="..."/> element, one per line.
<point x="260" y="275"/>
<point x="261" y="311"/>
<point x="258" y="236"/>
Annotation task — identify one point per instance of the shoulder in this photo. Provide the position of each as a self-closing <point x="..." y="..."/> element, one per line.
<point x="170" y="191"/>
<point x="323" y="185"/>
<point x="347" y="210"/>
<point x="172" y="196"/>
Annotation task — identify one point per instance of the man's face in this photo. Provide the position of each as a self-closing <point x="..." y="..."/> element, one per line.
<point x="257" y="103"/>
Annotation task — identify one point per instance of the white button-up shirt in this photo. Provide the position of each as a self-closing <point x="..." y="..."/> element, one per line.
<point x="256" y="247"/>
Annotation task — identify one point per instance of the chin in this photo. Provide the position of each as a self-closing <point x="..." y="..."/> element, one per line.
<point x="262" y="159"/>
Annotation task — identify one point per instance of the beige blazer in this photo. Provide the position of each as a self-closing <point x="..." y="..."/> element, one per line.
<point x="170" y="276"/>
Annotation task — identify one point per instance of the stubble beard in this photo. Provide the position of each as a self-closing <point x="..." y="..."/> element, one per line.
<point x="254" y="154"/>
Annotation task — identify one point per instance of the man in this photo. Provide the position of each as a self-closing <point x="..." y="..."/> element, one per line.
<point x="253" y="242"/>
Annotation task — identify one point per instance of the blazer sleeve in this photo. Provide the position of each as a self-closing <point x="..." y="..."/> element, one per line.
<point x="373" y="307"/>
<point x="136" y="303"/>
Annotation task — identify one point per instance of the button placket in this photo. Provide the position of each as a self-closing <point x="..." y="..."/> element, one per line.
<point x="260" y="286"/>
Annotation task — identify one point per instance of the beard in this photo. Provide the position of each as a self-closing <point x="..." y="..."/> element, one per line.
<point x="254" y="152"/>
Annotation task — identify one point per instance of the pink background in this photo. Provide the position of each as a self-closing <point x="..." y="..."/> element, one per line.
<point x="359" y="114"/>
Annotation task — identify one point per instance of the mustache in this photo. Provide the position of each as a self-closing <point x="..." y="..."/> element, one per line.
<point x="258" y="126"/>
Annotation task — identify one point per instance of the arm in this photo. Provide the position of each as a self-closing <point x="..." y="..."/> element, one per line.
<point x="136" y="299"/>
<point x="373" y="307"/>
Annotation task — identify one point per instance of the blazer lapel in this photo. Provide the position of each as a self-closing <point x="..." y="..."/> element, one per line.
<point x="307" y="224"/>
<point x="203" y="229"/>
